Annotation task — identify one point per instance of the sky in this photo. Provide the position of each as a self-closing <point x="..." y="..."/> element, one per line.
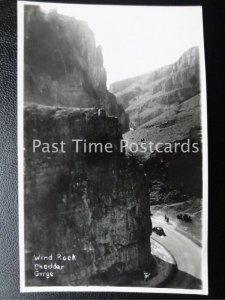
<point x="137" y="40"/>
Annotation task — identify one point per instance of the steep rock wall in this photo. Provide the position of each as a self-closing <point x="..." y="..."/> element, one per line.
<point x="148" y="96"/>
<point x="165" y="107"/>
<point x="95" y="206"/>
<point x="63" y="66"/>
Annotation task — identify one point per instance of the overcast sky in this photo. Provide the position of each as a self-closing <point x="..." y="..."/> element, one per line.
<point x="136" y="40"/>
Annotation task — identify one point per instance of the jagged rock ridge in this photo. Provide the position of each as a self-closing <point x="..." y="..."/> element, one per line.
<point x="147" y="96"/>
<point x="63" y="66"/>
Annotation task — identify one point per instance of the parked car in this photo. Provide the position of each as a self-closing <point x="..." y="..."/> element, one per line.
<point x="187" y="218"/>
<point x="159" y="231"/>
<point x="184" y="217"/>
<point x="180" y="217"/>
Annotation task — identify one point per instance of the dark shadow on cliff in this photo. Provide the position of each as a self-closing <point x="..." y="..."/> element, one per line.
<point x="183" y="280"/>
<point x="164" y="275"/>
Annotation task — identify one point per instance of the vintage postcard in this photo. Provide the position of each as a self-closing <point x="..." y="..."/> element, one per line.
<point x="112" y="148"/>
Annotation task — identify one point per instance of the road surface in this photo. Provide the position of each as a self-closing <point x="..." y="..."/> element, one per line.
<point x="186" y="253"/>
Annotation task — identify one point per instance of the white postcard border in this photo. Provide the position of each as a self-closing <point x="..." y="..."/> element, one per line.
<point x="20" y="140"/>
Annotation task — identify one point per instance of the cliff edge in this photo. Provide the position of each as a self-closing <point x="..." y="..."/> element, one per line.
<point x="63" y="66"/>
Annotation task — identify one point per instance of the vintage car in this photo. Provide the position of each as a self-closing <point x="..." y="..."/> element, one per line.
<point x="159" y="231"/>
<point x="184" y="217"/>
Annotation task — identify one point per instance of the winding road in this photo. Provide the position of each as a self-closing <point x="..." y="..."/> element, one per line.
<point x="186" y="253"/>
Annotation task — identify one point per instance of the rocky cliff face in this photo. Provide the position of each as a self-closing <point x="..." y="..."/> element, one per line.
<point x="164" y="107"/>
<point x="93" y="205"/>
<point x="150" y="95"/>
<point x="63" y="66"/>
<point x="173" y="177"/>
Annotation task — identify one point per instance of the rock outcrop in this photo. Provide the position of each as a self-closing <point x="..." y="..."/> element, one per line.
<point x="93" y="205"/>
<point x="63" y="66"/>
<point x="147" y="96"/>
<point x="173" y="177"/>
<point x="164" y="107"/>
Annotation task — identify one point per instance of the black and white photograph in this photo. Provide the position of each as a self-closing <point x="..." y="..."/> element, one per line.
<point x="112" y="148"/>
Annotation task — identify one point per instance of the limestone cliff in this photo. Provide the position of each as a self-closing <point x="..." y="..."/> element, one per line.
<point x="63" y="66"/>
<point x="95" y="206"/>
<point x="165" y="107"/>
<point x="148" y="96"/>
